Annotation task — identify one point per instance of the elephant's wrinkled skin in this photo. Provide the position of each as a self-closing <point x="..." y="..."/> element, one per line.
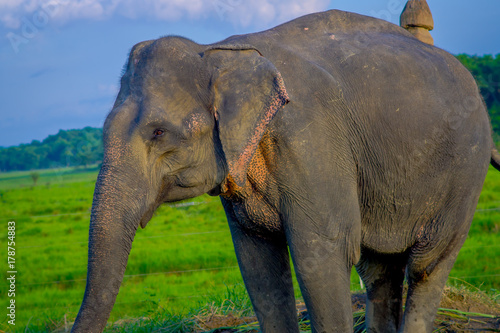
<point x="337" y="136"/>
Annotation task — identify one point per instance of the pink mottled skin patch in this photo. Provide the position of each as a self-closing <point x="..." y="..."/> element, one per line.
<point x="195" y="123"/>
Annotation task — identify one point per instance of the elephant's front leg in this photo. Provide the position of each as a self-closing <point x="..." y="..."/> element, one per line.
<point x="324" y="247"/>
<point x="265" y="268"/>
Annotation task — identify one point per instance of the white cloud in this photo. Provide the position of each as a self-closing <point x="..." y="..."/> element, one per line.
<point x="268" y="13"/>
<point x="259" y="13"/>
<point x="83" y="9"/>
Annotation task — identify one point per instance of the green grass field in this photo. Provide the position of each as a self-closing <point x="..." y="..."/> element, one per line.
<point x="181" y="261"/>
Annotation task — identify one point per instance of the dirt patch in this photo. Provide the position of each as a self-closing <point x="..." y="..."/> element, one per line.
<point x="224" y="323"/>
<point x="464" y="311"/>
<point x="467" y="301"/>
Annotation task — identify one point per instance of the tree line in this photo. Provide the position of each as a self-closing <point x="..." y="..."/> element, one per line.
<point x="78" y="147"/>
<point x="84" y="147"/>
<point x="486" y="71"/>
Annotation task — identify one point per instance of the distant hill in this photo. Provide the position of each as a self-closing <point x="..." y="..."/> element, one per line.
<point x="79" y="147"/>
<point x="83" y="147"/>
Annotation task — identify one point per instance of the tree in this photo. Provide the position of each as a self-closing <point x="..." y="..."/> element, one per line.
<point x="34" y="175"/>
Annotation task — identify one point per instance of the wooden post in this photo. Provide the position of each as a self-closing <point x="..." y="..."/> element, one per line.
<point x="417" y="19"/>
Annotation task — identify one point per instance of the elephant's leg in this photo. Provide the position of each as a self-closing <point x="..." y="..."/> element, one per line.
<point x="324" y="278"/>
<point x="426" y="281"/>
<point x="433" y="255"/>
<point x="383" y="276"/>
<point x="265" y="267"/>
<point x="324" y="247"/>
<point x="424" y="295"/>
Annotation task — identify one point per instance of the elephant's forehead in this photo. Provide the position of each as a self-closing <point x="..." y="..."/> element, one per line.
<point x="172" y="106"/>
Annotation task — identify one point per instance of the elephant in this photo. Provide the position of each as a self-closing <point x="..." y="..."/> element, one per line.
<point x="334" y="141"/>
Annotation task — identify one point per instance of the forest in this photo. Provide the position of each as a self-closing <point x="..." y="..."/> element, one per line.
<point x="77" y="147"/>
<point x="486" y="71"/>
<point x="84" y="147"/>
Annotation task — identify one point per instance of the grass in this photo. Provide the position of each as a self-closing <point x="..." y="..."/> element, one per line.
<point x="181" y="267"/>
<point x="478" y="263"/>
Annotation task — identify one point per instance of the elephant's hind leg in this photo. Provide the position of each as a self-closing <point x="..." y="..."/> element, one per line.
<point x="436" y="248"/>
<point x="383" y="276"/>
<point x="427" y="272"/>
<point x="424" y="295"/>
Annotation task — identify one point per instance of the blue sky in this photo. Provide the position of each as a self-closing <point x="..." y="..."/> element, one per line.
<point x="60" y="60"/>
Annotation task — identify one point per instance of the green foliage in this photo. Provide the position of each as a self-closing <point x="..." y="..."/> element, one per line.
<point x="486" y="71"/>
<point x="66" y="148"/>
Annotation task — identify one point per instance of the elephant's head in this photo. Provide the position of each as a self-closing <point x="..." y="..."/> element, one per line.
<point x="186" y="121"/>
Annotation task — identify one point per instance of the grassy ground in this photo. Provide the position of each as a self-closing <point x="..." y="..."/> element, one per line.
<point x="181" y="262"/>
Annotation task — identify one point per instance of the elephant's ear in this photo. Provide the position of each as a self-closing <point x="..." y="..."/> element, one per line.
<point x="247" y="93"/>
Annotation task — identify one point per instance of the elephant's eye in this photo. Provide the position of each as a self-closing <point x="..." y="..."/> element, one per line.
<point x="158" y="132"/>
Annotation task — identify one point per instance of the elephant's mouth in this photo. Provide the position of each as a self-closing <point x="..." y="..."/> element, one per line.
<point x="215" y="191"/>
<point x="147" y="216"/>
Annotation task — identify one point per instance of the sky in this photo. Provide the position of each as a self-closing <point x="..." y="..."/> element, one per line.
<point x="61" y="60"/>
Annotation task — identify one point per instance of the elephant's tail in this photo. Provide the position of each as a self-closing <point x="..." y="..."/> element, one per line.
<point x="495" y="158"/>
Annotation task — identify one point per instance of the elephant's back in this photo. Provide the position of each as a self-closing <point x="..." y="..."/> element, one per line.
<point x="305" y="30"/>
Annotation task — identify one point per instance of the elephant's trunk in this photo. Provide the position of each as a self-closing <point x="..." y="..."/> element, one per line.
<point x="113" y="226"/>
